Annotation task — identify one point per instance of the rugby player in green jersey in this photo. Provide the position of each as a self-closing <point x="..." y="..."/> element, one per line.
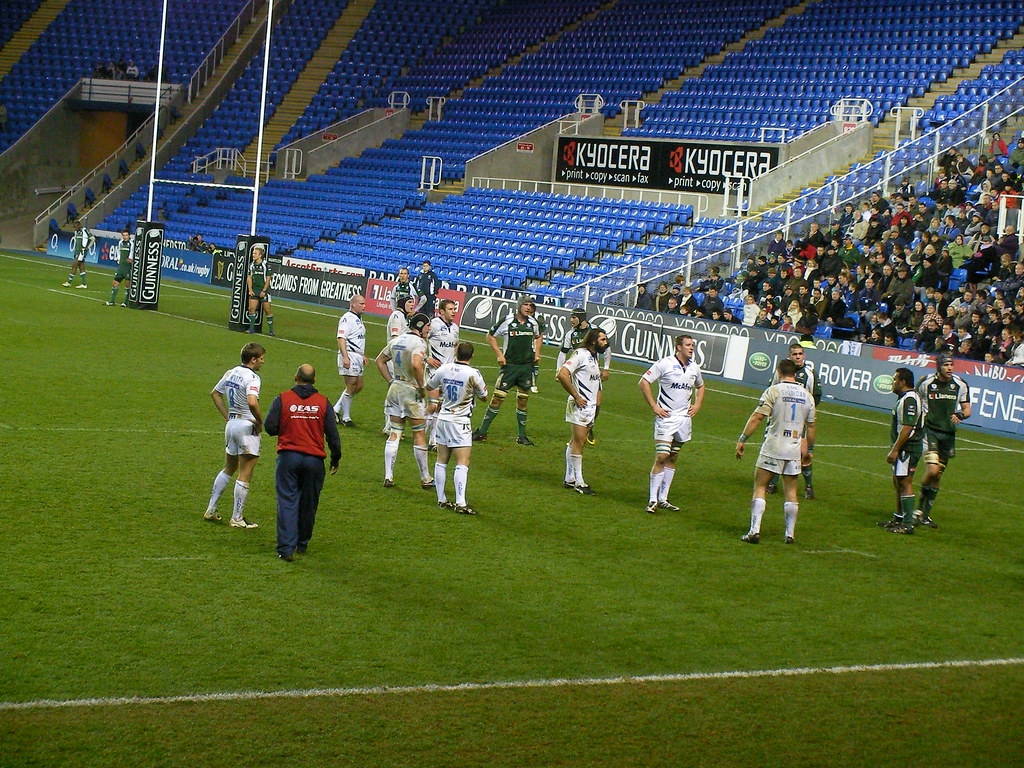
<point x="947" y="403"/>
<point x="258" y="283"/>
<point x="906" y="436"/>
<point x="517" y="362"/>
<point x="125" y="256"/>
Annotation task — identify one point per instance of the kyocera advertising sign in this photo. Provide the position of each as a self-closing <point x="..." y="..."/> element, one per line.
<point x="674" y="165"/>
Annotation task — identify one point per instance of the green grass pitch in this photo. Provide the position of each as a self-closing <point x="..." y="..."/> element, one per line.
<point x="114" y="586"/>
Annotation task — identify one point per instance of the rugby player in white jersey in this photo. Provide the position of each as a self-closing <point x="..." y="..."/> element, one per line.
<point x="406" y="398"/>
<point x="351" y="357"/>
<point x="237" y="397"/>
<point x="680" y="396"/>
<point x="460" y="385"/>
<point x="580" y="376"/>
<point x="398" y="323"/>
<point x="789" y="407"/>
<point x="444" y="338"/>
<point x="579" y="325"/>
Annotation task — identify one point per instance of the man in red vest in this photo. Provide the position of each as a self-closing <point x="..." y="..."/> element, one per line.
<point x="301" y="418"/>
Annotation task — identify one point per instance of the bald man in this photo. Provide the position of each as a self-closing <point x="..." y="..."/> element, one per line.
<point x="301" y="418"/>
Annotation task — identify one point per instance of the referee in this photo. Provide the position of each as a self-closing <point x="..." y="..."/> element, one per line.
<point x="301" y="418"/>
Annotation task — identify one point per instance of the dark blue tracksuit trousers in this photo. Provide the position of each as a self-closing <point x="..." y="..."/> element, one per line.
<point x="300" y="478"/>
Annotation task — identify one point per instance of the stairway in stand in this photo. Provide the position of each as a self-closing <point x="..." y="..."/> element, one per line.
<point x="30" y="31"/>
<point x="308" y="82"/>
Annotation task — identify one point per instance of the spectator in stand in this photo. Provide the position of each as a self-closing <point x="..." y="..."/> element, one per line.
<point x="1017" y="156"/>
<point x="959" y="251"/>
<point x="997" y="146"/>
<point x="906" y="190"/>
<point x="984" y="261"/>
<point x="3" y="117"/>
<point x="797" y="280"/>
<point x="661" y="298"/>
<point x="901" y="287"/>
<point x="644" y="300"/>
<point x="866" y="298"/>
<point x="948" y="230"/>
<point x="711" y="303"/>
<point x="814" y="237"/>
<point x="879" y="204"/>
<point x="1012" y="285"/>
<point x="673" y="305"/>
<point x="777" y="246"/>
<point x="955" y="194"/>
<point x="875" y="231"/>
<point x="1008" y="243"/>
<point x="196" y="243"/>
<point x="687" y="301"/>
<point x="901" y="217"/>
<point x="750" y="310"/>
<point x="846" y="219"/>
<point x="131" y="72"/>
<point x="830" y="264"/>
<point x="929" y="338"/>
<point x="1017" y="350"/>
<point x="713" y="280"/>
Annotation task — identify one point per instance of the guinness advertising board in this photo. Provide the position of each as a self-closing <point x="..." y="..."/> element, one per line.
<point x="641" y="337"/>
<point x="330" y="289"/>
<point x="241" y="259"/>
<point x="144" y="291"/>
<point x="222" y="270"/>
<point x="679" y="166"/>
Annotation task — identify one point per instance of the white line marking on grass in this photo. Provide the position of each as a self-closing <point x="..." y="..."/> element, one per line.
<point x="505" y="685"/>
<point x="178" y="557"/>
<point x="838" y="551"/>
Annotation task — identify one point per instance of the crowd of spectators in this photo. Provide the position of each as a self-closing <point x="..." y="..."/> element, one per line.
<point x="927" y="272"/>
<point x="119" y="70"/>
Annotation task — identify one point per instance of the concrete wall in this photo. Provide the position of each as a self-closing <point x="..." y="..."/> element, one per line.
<point x="46" y="156"/>
<point x="840" y="150"/>
<point x="508" y="162"/>
<point x="355" y="135"/>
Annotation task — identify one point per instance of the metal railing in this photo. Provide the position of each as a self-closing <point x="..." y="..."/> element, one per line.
<point x="216" y="54"/>
<point x="125" y="91"/>
<point x="996" y="110"/>
<point x="219" y="159"/>
<point x="700" y="204"/>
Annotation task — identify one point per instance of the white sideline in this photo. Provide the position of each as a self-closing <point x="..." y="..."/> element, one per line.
<point x="503" y="685"/>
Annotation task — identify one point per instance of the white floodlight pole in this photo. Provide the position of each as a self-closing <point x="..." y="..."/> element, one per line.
<point x="156" y="110"/>
<point x="263" y="109"/>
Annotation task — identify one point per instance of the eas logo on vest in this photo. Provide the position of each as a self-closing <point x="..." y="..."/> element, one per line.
<point x="304" y="408"/>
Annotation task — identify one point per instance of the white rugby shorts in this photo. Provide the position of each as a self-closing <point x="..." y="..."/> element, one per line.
<point x="453" y="434"/>
<point x="583" y="417"/>
<point x="355" y="368"/>
<point x="675" y="428"/>
<point x="240" y="439"/>
<point x="779" y="466"/>
<point x="403" y="402"/>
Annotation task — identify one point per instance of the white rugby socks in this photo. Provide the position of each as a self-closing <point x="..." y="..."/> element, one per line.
<point x="790" y="508"/>
<point x="390" y="454"/>
<point x="666" y="483"/>
<point x="756" y="513"/>
<point x="220" y="483"/>
<point x="241" y="494"/>
<point x="461" y="478"/>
